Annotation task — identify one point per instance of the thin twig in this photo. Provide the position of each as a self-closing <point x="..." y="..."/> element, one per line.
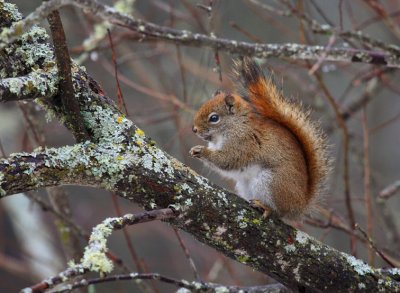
<point x="182" y="73"/>
<point x="372" y="20"/>
<point x="183" y="37"/>
<point x="390" y="190"/>
<point x="121" y="101"/>
<point x="245" y="32"/>
<point x="138" y="263"/>
<point x="151" y="92"/>
<point x="128" y="241"/>
<point x="321" y="12"/>
<point x="195" y="15"/>
<point x="187" y="254"/>
<point x="380" y="10"/>
<point x="72" y="225"/>
<point x="347" y="35"/>
<point x="47" y="207"/>
<point x="385" y="123"/>
<point x="340" y="8"/>
<point x="31" y="124"/>
<point x="373" y="246"/>
<point x="316" y="66"/>
<point x="367" y="182"/>
<point x="192" y="286"/>
<point x="345" y="145"/>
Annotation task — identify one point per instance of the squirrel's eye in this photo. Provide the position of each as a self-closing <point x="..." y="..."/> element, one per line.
<point x="214" y="118"/>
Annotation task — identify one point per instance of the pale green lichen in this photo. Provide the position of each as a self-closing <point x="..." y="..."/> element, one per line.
<point x="38" y="81"/>
<point x="100" y="30"/>
<point x="289" y="248"/>
<point x="203" y="182"/>
<point x="186" y="187"/>
<point x="241" y="255"/>
<point x="33" y="48"/>
<point x="31" y="53"/>
<point x="221" y="289"/>
<point x="242" y="258"/>
<point x="125" y="6"/>
<point x="242" y="218"/>
<point x="243" y="225"/>
<point x="302" y="237"/>
<point x="111" y="131"/>
<point x="358" y="265"/>
<point x="188" y="202"/>
<point x="15" y="85"/>
<point x="12" y="9"/>
<point x="197" y="285"/>
<point x="94" y="257"/>
<point x="395" y="271"/>
<point x="313" y="248"/>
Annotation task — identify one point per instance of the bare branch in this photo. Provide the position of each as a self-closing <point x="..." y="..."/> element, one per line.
<point x="183" y="37"/>
<point x="390" y="190"/>
<point x="192" y="286"/>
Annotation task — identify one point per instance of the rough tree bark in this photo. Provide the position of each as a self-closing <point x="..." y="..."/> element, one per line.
<point x="120" y="158"/>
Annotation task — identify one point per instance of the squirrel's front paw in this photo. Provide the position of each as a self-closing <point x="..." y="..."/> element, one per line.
<point x="197" y="151"/>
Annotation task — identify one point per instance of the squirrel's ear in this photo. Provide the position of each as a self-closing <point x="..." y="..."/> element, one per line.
<point x="217" y="92"/>
<point x="230" y="104"/>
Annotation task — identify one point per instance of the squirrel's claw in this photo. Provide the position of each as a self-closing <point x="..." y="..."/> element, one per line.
<point x="196" y="151"/>
<point x="257" y="204"/>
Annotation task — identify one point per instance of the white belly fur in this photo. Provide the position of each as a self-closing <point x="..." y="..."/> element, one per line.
<point x="217" y="143"/>
<point x="252" y="183"/>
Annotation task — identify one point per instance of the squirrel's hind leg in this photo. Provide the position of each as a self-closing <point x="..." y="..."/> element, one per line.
<point x="256" y="203"/>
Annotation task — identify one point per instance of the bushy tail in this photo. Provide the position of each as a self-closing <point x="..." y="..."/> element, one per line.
<point x="268" y="102"/>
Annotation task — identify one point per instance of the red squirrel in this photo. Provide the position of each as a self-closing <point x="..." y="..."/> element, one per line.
<point x="267" y="144"/>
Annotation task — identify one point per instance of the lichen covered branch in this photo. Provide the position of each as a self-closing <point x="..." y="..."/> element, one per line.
<point x="27" y="66"/>
<point x="183" y="37"/>
<point x="95" y="258"/>
<point x="31" y="86"/>
<point x="123" y="160"/>
<point x="66" y="88"/>
<point x="120" y="158"/>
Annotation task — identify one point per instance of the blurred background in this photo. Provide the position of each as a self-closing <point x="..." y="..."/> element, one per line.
<point x="163" y="84"/>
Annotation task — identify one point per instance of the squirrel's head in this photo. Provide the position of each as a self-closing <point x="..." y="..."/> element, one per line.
<point x="219" y="115"/>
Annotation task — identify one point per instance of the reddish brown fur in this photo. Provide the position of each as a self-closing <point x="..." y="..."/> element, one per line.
<point x="269" y="103"/>
<point x="262" y="128"/>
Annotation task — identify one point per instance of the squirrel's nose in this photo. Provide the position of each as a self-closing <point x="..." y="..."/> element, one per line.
<point x="194" y="129"/>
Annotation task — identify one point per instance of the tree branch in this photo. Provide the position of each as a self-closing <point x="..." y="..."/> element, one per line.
<point x="66" y="88"/>
<point x="31" y="86"/>
<point x="120" y="158"/>
<point x="183" y="37"/>
<point x="192" y="286"/>
<point x="123" y="160"/>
